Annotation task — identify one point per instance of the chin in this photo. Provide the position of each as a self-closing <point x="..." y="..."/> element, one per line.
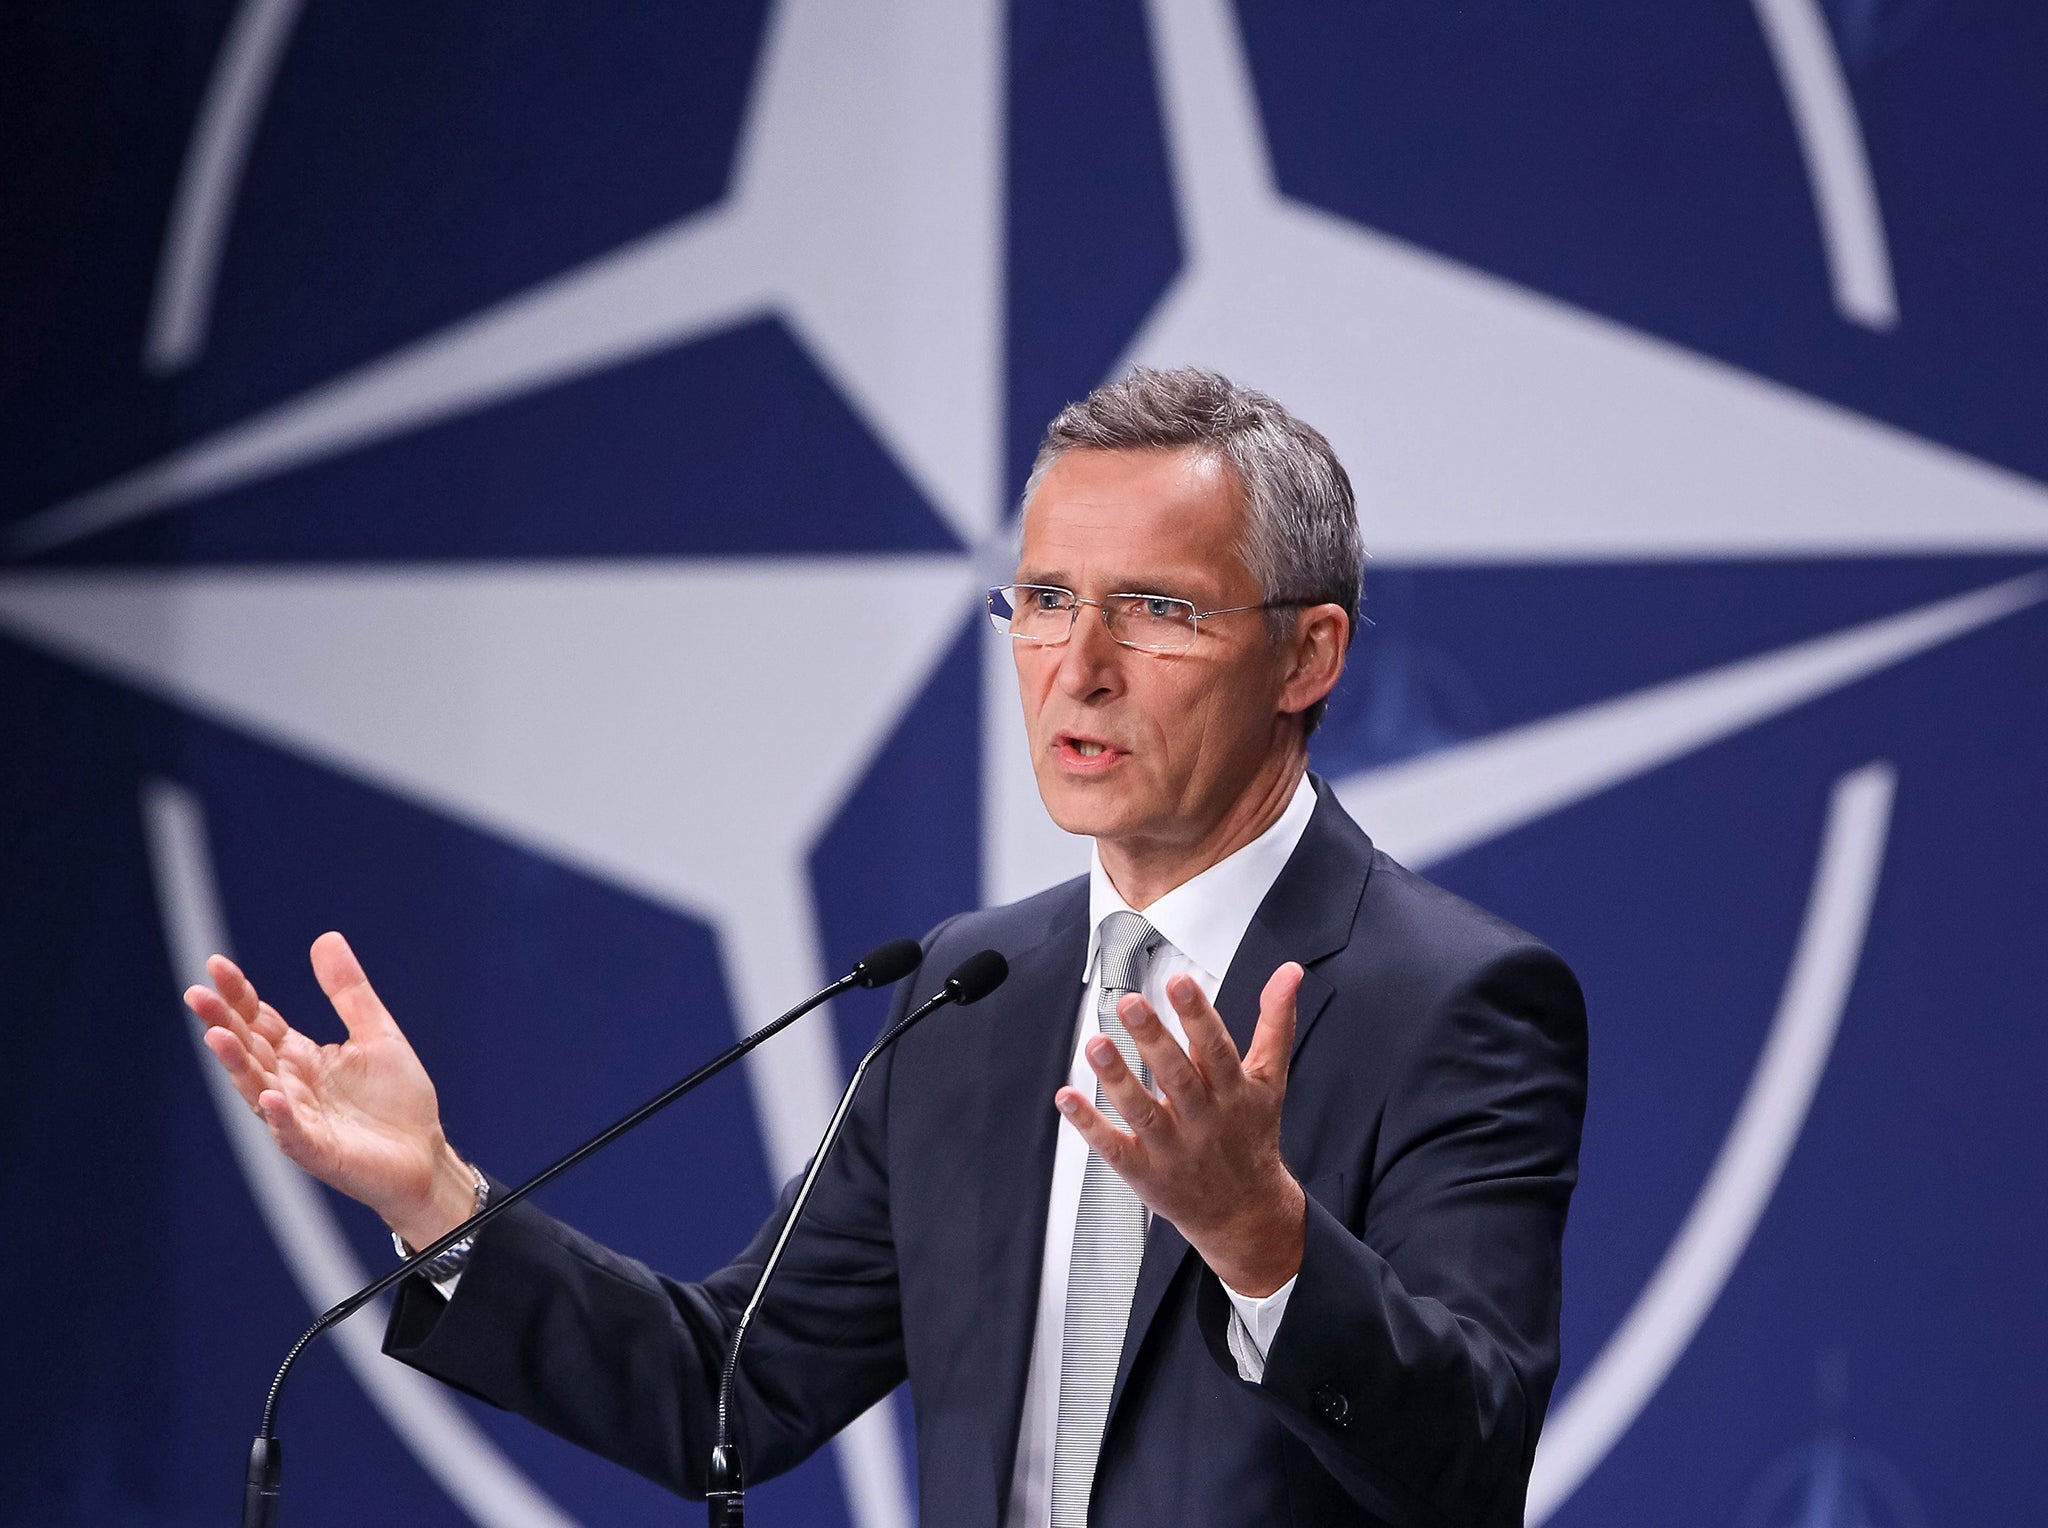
<point x="1083" y="810"/>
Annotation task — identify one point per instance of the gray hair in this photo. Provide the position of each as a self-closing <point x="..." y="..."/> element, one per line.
<point x="1301" y="538"/>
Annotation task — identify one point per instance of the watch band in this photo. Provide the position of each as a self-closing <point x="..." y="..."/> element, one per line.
<point x="449" y="1263"/>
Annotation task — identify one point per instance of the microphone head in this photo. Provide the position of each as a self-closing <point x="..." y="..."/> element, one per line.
<point x="887" y="963"/>
<point x="977" y="976"/>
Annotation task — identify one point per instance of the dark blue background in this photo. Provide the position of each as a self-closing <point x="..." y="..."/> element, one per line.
<point x="418" y="164"/>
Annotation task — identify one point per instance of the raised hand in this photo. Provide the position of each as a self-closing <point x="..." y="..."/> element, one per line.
<point x="1206" y="1152"/>
<point x="361" y="1116"/>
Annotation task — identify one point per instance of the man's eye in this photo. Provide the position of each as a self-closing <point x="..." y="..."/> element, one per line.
<point x="1049" y="599"/>
<point x="1159" y="606"/>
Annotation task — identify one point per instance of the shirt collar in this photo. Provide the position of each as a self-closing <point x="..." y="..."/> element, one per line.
<point x="1206" y="915"/>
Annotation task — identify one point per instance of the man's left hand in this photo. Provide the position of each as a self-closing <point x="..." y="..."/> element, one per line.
<point x="1206" y="1152"/>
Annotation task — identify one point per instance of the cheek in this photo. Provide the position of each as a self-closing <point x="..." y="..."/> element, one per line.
<point x="1237" y="702"/>
<point x="1038" y="690"/>
<point x="1182" y="708"/>
<point x="1033" y="680"/>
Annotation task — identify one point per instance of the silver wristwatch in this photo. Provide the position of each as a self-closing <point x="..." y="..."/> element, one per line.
<point x="447" y="1264"/>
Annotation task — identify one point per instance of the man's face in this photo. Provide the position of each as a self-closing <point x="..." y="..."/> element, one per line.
<point x="1140" y="748"/>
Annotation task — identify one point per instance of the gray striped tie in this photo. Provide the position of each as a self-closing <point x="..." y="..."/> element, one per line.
<point x="1109" y="1241"/>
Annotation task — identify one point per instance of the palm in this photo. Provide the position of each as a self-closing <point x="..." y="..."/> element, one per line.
<point x="365" y="1107"/>
<point x="360" y="1116"/>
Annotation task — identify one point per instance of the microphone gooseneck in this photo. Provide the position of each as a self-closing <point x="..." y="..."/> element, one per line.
<point x="971" y="981"/>
<point x="882" y="965"/>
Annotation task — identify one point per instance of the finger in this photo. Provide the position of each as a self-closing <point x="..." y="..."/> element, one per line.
<point x="235" y="988"/>
<point x="207" y="1005"/>
<point x="341" y="978"/>
<point x="257" y="1037"/>
<point x="1121" y="1088"/>
<point x="279" y="1113"/>
<point x="1273" y="1040"/>
<point x="1177" y="1076"/>
<point x="301" y="1091"/>
<point x="261" y="1027"/>
<point x="259" y="1047"/>
<point x="234" y="1008"/>
<point x="248" y="1078"/>
<point x="298" y="1056"/>
<point x="270" y="1024"/>
<point x="1119" y="1148"/>
<point x="1209" y="1042"/>
<point x="215" y="1013"/>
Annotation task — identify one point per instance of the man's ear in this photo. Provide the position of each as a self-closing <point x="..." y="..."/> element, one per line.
<point x="1316" y="656"/>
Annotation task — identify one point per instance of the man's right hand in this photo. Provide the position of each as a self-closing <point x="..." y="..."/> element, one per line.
<point x="361" y="1116"/>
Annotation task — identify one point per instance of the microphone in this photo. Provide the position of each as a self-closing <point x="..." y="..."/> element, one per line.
<point x="972" y="980"/>
<point x="880" y="967"/>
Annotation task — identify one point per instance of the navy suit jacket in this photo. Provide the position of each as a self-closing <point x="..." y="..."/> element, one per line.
<point x="1433" y="1113"/>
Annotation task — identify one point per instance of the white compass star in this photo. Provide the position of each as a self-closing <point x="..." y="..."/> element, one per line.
<point x="587" y="711"/>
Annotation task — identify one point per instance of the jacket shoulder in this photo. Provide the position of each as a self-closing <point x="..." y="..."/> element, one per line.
<point x="1401" y="921"/>
<point x="1012" y="928"/>
<point x="1430" y="941"/>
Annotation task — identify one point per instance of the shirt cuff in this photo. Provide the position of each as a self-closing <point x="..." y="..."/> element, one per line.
<point x="1254" y="1323"/>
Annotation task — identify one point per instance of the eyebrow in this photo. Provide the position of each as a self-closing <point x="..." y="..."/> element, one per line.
<point x="1148" y="584"/>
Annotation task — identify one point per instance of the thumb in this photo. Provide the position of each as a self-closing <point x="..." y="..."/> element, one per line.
<point x="341" y="977"/>
<point x="1273" y="1039"/>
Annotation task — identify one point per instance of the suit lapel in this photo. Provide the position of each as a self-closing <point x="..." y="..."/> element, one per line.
<point x="1030" y="1049"/>
<point x="1307" y="916"/>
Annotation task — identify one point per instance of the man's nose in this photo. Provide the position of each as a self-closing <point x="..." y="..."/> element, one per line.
<point x="1091" y="662"/>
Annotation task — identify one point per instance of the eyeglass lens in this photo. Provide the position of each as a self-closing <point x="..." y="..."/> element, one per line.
<point x="1045" y="615"/>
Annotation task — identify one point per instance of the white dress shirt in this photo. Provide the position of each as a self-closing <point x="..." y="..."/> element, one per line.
<point x="1202" y="922"/>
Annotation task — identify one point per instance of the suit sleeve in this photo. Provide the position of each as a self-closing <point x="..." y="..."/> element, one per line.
<point x="1416" y="1358"/>
<point x="623" y="1361"/>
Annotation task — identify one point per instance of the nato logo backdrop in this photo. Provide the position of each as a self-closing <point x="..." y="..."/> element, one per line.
<point x="515" y="483"/>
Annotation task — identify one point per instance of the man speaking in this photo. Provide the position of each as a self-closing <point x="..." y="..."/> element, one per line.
<point x="1239" y="1203"/>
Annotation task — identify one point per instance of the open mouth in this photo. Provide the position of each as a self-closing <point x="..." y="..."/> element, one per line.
<point x="1086" y="754"/>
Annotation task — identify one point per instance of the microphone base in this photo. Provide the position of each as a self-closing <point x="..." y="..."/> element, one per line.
<point x="264" y="1483"/>
<point x="726" y="1497"/>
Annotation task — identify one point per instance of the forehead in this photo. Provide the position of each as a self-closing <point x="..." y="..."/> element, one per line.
<point x="1122" y="515"/>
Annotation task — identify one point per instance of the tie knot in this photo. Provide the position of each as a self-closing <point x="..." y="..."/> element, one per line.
<point x="1124" y="945"/>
